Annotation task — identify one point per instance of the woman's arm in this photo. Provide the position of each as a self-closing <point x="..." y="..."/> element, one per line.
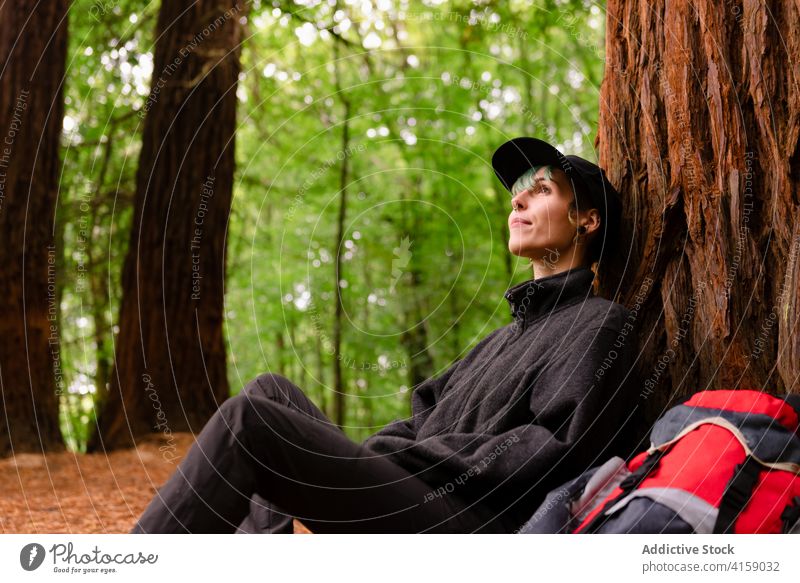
<point x="427" y="394"/>
<point x="580" y="402"/>
<point x="423" y="400"/>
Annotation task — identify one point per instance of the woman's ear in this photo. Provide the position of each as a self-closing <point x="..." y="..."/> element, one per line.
<point x="591" y="221"/>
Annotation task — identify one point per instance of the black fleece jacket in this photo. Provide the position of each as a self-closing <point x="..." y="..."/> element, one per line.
<point x="535" y="403"/>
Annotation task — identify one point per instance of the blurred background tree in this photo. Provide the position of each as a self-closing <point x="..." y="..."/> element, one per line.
<point x="33" y="52"/>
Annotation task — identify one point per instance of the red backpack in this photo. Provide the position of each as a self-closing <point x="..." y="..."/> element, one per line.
<point x="720" y="462"/>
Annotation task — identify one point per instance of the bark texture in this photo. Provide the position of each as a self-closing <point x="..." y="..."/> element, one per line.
<point x="699" y="122"/>
<point x="33" y="49"/>
<point x="169" y="372"/>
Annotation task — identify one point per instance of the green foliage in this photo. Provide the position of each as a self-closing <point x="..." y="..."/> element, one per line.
<point x="77" y="416"/>
<point x="432" y="89"/>
<point x="108" y="70"/>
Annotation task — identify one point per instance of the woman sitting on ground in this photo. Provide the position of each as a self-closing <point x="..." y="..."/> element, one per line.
<point x="535" y="403"/>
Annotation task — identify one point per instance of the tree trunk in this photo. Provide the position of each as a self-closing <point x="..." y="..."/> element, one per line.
<point x="407" y="276"/>
<point x="33" y="50"/>
<point x="339" y="403"/>
<point x="699" y="131"/>
<point x="502" y="202"/>
<point x="323" y="399"/>
<point x="99" y="284"/>
<point x="279" y="362"/>
<point x="414" y="337"/>
<point x="339" y="384"/>
<point x="169" y="370"/>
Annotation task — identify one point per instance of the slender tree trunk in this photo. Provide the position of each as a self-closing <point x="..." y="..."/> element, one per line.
<point x="502" y="201"/>
<point x="323" y="400"/>
<point x="339" y="402"/>
<point x="415" y="338"/>
<point x="369" y="354"/>
<point x="280" y="355"/>
<point x="338" y="381"/>
<point x="169" y="370"/>
<point x="456" y="311"/>
<point x="407" y="275"/>
<point x="99" y="284"/>
<point x="699" y="126"/>
<point x="33" y="49"/>
<point x="297" y="371"/>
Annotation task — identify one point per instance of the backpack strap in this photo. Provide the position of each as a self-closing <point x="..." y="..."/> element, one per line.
<point x="692" y="509"/>
<point x="631" y="482"/>
<point x="737" y="494"/>
<point x="791" y="516"/>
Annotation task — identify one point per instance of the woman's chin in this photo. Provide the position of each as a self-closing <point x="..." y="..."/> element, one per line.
<point x="521" y="253"/>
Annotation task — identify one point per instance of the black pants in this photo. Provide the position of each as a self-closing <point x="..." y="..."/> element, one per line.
<point x="269" y="454"/>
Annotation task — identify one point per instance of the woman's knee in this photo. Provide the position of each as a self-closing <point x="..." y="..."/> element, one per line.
<point x="271" y="386"/>
<point x="278" y="389"/>
<point x="240" y="410"/>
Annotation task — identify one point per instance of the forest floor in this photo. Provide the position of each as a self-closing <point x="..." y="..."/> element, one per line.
<point x="86" y="493"/>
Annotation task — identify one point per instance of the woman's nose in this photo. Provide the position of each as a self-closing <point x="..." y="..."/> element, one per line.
<point x="516" y="202"/>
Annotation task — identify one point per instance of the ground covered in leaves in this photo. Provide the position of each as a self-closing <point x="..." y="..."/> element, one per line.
<point x="86" y="493"/>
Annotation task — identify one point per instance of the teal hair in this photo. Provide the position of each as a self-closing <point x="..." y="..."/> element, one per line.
<point x="527" y="178"/>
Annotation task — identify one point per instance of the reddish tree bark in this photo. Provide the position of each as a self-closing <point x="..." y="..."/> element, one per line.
<point x="699" y="122"/>
<point x="169" y="372"/>
<point x="33" y="49"/>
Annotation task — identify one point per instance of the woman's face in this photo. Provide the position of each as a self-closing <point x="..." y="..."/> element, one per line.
<point x="540" y="228"/>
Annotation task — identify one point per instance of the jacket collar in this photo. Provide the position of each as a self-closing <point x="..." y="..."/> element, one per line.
<point x="530" y="299"/>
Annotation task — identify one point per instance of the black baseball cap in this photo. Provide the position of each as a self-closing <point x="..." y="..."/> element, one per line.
<point x="515" y="157"/>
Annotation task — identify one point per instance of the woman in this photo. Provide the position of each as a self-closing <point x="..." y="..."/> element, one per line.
<point x="535" y="402"/>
